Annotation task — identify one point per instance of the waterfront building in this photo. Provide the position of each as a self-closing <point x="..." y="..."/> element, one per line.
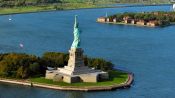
<point x="173" y="7"/>
<point x="152" y="23"/>
<point x="133" y="21"/>
<point x="141" y="22"/>
<point x="127" y="19"/>
<point x="109" y="20"/>
<point x="101" y="19"/>
<point x="115" y="20"/>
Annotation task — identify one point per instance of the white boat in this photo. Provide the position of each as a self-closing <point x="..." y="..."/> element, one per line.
<point x="10" y="18"/>
<point x="174" y="7"/>
<point x="21" y="45"/>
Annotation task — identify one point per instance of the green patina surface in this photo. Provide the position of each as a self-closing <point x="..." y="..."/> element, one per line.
<point x="116" y="78"/>
<point x="76" y="42"/>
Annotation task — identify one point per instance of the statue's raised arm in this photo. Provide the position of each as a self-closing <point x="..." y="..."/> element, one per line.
<point x="76" y="42"/>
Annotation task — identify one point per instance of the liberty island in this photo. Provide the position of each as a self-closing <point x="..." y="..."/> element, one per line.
<point x="79" y="76"/>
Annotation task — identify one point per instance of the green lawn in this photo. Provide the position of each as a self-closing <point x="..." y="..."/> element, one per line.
<point x="48" y="7"/>
<point x="26" y="9"/>
<point x="116" y="77"/>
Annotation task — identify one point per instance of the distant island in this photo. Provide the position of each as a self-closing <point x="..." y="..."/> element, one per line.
<point x="150" y="19"/>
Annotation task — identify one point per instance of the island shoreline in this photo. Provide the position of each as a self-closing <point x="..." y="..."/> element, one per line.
<point x="124" y="85"/>
<point x="121" y="23"/>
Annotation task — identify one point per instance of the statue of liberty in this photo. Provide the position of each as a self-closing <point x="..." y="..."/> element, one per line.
<point x="76" y="42"/>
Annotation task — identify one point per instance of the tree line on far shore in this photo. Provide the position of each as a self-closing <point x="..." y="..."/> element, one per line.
<point x="18" y="65"/>
<point x="17" y="3"/>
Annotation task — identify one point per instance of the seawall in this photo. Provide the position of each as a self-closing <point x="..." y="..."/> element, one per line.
<point x="126" y="84"/>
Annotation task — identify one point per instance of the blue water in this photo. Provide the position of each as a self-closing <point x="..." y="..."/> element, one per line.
<point x="147" y="52"/>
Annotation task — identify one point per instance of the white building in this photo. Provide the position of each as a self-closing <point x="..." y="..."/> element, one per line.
<point x="173" y="7"/>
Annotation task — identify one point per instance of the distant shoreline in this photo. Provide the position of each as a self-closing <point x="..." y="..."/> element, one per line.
<point x="53" y="9"/>
<point x="121" y="23"/>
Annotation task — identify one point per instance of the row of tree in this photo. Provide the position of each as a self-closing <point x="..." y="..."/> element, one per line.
<point x="13" y="3"/>
<point x="24" y="66"/>
<point x="121" y="1"/>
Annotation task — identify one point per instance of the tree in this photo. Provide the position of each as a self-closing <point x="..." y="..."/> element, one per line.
<point x="55" y="59"/>
<point x="22" y="72"/>
<point x="4" y="69"/>
<point x="34" y="69"/>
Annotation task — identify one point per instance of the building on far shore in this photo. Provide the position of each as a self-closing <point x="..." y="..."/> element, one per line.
<point x="133" y="21"/>
<point x="109" y="20"/>
<point x="115" y="20"/>
<point x="152" y="23"/>
<point x="141" y="22"/>
<point x="127" y="20"/>
<point x="101" y="19"/>
<point x="173" y="7"/>
<point x="76" y="71"/>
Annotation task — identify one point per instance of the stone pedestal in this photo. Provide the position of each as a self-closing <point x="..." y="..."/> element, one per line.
<point x="76" y="71"/>
<point x="76" y="64"/>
